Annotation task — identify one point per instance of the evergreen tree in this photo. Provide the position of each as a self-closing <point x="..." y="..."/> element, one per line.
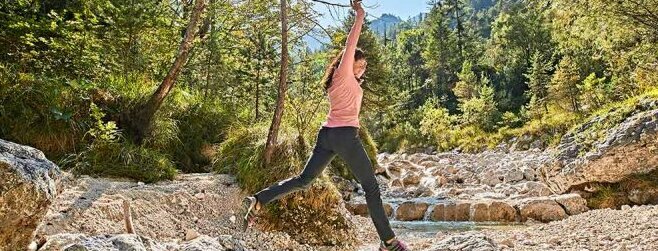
<point x="538" y="81"/>
<point x="564" y="85"/>
<point x="468" y="83"/>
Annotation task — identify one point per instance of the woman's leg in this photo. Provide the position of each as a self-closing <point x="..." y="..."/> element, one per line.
<point x="349" y="147"/>
<point x="319" y="159"/>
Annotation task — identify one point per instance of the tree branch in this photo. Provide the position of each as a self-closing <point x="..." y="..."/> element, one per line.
<point x="332" y="4"/>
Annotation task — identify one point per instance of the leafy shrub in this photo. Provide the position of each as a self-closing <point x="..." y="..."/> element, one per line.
<point x="108" y="156"/>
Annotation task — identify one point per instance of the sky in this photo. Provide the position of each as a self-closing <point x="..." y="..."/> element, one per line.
<point x="401" y="8"/>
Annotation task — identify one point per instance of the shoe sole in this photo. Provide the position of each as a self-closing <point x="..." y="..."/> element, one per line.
<point x="247" y="205"/>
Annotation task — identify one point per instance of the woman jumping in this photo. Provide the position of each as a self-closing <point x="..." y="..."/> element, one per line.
<point x="338" y="136"/>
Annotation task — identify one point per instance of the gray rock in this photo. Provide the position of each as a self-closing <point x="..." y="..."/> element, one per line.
<point x="490" y="178"/>
<point x="27" y="187"/>
<point x="207" y="243"/>
<point x="626" y="149"/>
<point x="513" y="175"/>
<point x="127" y="242"/>
<point x="474" y="242"/>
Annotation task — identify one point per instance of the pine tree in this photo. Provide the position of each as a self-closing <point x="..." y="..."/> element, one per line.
<point x="564" y="85"/>
<point x="467" y="86"/>
<point x="538" y="81"/>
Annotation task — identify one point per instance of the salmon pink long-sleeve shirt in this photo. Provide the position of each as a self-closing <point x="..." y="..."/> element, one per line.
<point x="345" y="93"/>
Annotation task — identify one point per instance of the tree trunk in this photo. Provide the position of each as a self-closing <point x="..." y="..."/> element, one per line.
<point x="142" y="117"/>
<point x="278" y="112"/>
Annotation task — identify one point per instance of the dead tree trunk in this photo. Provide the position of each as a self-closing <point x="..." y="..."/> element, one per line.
<point x="283" y="75"/>
<point x="142" y="117"/>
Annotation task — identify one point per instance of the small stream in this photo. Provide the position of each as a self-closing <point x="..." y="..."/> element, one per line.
<point x="430" y="228"/>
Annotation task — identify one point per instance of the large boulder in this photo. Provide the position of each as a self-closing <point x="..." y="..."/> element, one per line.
<point x="542" y="209"/>
<point x="411" y="211"/>
<point x="27" y="187"/>
<point x="361" y="208"/>
<point x="572" y="203"/>
<point x="607" y="149"/>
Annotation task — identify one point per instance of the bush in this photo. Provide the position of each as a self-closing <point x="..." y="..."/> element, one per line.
<point x="109" y="156"/>
<point x="47" y="114"/>
<point x="200" y="126"/>
<point x="313" y="216"/>
<point x="124" y="160"/>
<point x="548" y="129"/>
<point x="437" y="124"/>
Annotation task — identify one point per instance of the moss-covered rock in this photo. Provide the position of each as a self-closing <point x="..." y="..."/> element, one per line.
<point x="314" y="216"/>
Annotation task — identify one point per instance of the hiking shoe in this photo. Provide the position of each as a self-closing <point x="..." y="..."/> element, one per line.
<point x="248" y="212"/>
<point x="396" y="245"/>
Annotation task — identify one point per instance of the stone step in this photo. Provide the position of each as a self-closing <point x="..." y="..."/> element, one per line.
<point x="544" y="209"/>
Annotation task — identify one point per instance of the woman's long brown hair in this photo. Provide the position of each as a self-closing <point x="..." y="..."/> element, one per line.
<point x="331" y="68"/>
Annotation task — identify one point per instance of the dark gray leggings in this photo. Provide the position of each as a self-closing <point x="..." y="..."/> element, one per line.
<point x="345" y="142"/>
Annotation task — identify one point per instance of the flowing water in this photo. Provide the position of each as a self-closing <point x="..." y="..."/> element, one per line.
<point x="431" y="228"/>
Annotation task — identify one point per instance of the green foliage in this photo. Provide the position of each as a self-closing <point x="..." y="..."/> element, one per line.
<point x="107" y="156"/>
<point x="113" y="159"/>
<point x="538" y="81"/>
<point x="480" y="111"/>
<point x="466" y="88"/>
<point x="437" y="124"/>
<point x="549" y="129"/>
<point x="593" y="92"/>
<point x="106" y="132"/>
<point x="564" y="85"/>
<point x="42" y="112"/>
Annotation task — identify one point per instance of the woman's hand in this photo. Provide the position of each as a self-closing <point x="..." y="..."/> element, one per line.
<point x="356" y="6"/>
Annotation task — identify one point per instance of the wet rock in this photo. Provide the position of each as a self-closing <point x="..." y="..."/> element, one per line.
<point x="451" y="211"/>
<point x="479" y="212"/>
<point x="410" y="211"/>
<point x="500" y="211"/>
<point x="438" y="213"/>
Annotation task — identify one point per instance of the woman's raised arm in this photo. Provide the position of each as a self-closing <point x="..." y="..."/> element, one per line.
<point x="346" y="65"/>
